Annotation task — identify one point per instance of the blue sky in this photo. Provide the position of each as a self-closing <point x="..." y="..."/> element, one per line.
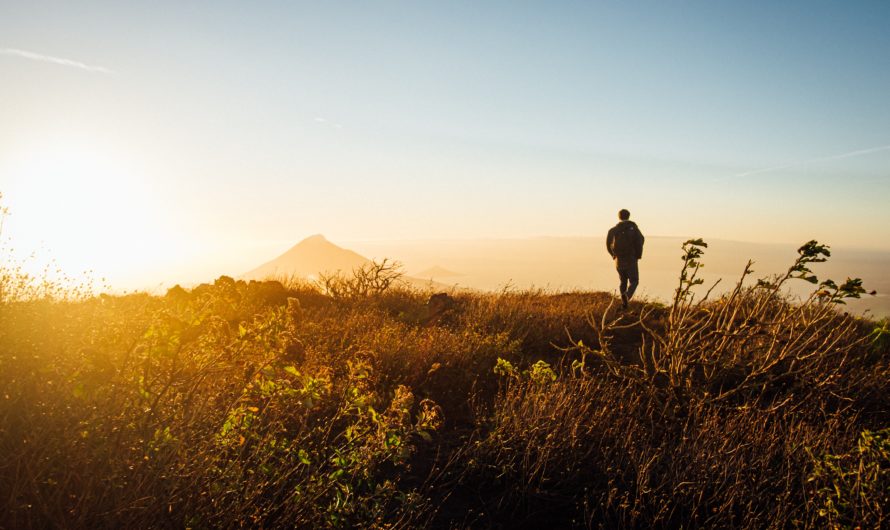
<point x="239" y="125"/>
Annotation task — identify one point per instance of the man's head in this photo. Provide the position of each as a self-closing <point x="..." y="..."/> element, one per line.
<point x="623" y="214"/>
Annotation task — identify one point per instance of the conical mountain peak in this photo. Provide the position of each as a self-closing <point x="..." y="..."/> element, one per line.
<point x="308" y="258"/>
<point x="317" y="238"/>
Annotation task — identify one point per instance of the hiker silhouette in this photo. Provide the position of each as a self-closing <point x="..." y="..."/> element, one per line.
<point x="625" y="244"/>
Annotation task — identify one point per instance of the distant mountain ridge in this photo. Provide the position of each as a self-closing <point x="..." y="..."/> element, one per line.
<point x="309" y="258"/>
<point x="316" y="255"/>
<point x="571" y="263"/>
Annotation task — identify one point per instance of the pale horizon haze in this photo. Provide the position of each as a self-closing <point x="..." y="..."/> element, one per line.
<point x="152" y="141"/>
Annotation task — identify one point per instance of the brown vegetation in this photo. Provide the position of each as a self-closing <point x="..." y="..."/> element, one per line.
<point x="345" y="404"/>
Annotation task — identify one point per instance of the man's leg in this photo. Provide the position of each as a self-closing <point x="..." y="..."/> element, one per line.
<point x="633" y="275"/>
<point x="622" y="285"/>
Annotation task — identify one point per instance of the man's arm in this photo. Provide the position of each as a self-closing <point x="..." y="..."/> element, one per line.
<point x="610" y="237"/>
<point x="640" y="241"/>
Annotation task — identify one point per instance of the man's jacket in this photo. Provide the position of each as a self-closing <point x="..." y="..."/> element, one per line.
<point x="625" y="241"/>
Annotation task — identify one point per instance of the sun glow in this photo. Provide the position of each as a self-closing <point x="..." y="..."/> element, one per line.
<point x="82" y="206"/>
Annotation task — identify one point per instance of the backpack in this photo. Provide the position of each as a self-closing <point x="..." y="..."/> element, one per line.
<point x="625" y="242"/>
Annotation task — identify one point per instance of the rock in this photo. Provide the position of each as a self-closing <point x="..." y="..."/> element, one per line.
<point x="437" y="306"/>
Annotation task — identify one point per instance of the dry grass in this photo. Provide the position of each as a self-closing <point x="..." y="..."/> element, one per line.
<point x="348" y="405"/>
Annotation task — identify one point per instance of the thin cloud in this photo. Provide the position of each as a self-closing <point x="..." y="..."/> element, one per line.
<point x="321" y="120"/>
<point x="53" y="60"/>
<point x="851" y="154"/>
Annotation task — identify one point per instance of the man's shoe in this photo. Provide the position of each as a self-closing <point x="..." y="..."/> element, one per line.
<point x="624" y="301"/>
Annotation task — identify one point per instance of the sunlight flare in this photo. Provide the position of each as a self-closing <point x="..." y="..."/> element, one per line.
<point x="82" y="205"/>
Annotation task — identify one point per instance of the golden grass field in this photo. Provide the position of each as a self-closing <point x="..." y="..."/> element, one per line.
<point x="357" y="402"/>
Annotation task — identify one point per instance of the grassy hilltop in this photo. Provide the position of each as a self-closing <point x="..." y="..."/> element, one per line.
<point x="358" y="402"/>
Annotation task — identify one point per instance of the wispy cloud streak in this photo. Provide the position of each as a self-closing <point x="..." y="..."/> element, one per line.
<point x="851" y="154"/>
<point x="54" y="60"/>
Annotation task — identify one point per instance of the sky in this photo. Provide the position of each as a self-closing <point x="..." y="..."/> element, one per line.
<point x="155" y="139"/>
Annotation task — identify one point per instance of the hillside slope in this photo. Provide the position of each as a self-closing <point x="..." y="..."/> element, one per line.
<point x="308" y="258"/>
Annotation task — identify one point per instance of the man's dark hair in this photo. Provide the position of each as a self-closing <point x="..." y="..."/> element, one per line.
<point x="623" y="214"/>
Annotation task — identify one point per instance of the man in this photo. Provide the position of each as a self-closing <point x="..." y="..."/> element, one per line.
<point x="625" y="245"/>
